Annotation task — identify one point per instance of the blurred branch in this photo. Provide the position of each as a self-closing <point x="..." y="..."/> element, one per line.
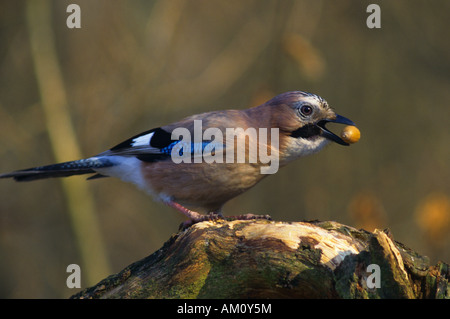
<point x="225" y="68"/>
<point x="161" y="27"/>
<point x="20" y="139"/>
<point x="63" y="139"/>
<point x="307" y="21"/>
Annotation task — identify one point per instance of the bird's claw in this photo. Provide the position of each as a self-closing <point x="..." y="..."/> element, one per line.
<point x="202" y="218"/>
<point x="249" y="217"/>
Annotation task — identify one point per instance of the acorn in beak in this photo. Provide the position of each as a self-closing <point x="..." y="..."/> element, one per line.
<point x="330" y="135"/>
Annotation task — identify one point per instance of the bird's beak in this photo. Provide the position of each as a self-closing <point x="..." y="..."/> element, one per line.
<point x="330" y="135"/>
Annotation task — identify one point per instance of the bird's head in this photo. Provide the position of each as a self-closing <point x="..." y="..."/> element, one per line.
<point x="302" y="119"/>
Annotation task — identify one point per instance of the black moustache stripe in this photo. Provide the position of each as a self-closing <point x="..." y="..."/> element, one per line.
<point x="306" y="131"/>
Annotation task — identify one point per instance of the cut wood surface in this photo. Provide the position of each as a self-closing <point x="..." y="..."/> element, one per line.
<point x="271" y="259"/>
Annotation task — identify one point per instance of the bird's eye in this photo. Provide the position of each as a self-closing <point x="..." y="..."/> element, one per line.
<point x="306" y="110"/>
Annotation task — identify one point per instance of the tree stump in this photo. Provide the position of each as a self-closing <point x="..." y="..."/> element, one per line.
<point x="269" y="259"/>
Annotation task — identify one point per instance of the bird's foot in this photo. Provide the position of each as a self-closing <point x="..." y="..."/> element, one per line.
<point x="218" y="216"/>
<point x="248" y="217"/>
<point x="195" y="217"/>
<point x="201" y="218"/>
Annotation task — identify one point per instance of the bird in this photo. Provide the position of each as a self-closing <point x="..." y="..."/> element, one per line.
<point x="199" y="163"/>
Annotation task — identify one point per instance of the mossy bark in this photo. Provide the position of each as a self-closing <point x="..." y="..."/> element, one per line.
<point x="267" y="259"/>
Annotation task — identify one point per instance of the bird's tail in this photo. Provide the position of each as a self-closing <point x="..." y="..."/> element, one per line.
<point x="83" y="166"/>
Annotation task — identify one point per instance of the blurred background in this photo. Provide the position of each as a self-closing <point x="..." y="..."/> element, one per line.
<point x="136" y="65"/>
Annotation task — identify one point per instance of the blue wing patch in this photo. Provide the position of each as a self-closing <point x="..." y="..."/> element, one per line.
<point x="195" y="147"/>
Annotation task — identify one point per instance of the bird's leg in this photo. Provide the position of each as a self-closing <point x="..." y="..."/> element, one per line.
<point x="194" y="217"/>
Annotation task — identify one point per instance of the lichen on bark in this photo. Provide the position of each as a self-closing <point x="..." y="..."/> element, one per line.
<point x="268" y="259"/>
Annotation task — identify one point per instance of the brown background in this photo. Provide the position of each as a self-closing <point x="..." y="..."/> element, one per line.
<point x="136" y="65"/>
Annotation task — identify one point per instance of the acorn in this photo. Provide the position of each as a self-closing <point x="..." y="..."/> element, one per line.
<point x="350" y="134"/>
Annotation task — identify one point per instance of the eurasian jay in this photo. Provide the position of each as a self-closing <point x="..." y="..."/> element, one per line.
<point x="229" y="153"/>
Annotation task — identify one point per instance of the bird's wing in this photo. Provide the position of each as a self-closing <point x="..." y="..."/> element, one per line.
<point x="153" y="145"/>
